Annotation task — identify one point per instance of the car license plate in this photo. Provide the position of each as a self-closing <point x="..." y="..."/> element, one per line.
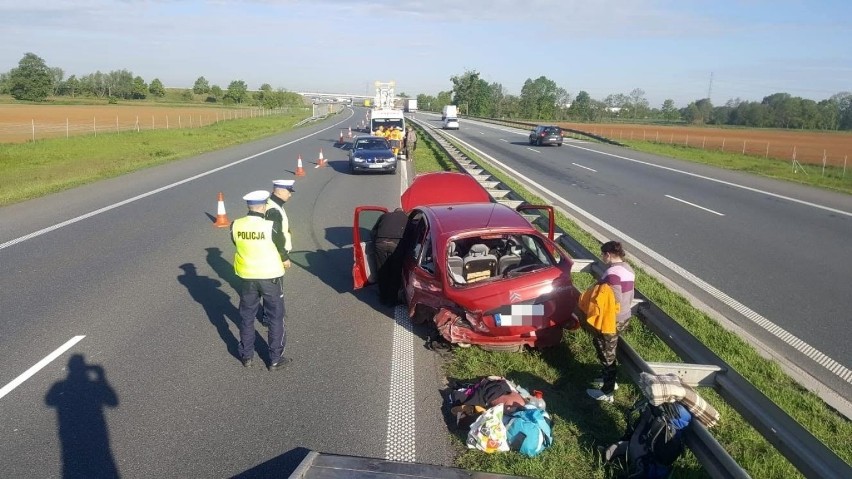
<point x="376" y="165"/>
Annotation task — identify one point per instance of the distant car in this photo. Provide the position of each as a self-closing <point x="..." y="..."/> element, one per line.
<point x="371" y="153"/>
<point x="478" y="270"/>
<point x="451" y="124"/>
<point x="546" y="135"/>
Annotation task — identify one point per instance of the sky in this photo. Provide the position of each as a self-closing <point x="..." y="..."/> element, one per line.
<point x="672" y="49"/>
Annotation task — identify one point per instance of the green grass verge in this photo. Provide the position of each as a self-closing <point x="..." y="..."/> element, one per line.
<point x="565" y="371"/>
<point x="833" y="178"/>
<point x="54" y="165"/>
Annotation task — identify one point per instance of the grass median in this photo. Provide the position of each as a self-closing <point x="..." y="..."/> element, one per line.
<point x="581" y="424"/>
<point x="30" y="170"/>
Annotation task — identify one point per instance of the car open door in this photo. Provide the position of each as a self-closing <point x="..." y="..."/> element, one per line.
<point x="364" y="264"/>
<point x="550" y="218"/>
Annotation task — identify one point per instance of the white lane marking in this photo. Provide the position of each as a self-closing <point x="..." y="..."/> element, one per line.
<point x="777" y="331"/>
<point x="399" y="445"/>
<point x="694" y="205"/>
<point x="44" y="362"/>
<point x="586" y="167"/>
<point x="716" y="180"/>
<point x="531" y="149"/>
<point x="154" y="192"/>
<point x="505" y="141"/>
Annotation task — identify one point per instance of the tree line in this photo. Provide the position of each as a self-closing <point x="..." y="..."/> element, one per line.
<point x="543" y="99"/>
<point x="34" y="80"/>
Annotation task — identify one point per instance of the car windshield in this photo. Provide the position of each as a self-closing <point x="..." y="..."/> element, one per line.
<point x="376" y="144"/>
<point x="495" y="257"/>
<point x="553" y="131"/>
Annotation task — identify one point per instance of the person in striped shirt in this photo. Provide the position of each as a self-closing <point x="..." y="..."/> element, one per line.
<point x="620" y="277"/>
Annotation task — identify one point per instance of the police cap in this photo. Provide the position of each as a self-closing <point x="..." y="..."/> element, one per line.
<point x="258" y="197"/>
<point x="285" y="184"/>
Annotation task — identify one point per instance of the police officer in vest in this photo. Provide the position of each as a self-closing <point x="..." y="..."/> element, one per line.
<point x="260" y="261"/>
<point x="281" y="192"/>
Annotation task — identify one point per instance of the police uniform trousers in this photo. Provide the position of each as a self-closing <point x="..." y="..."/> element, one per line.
<point x="272" y="293"/>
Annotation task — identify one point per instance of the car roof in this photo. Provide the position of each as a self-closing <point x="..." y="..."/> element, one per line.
<point x="443" y="188"/>
<point x="370" y="137"/>
<point x="453" y="220"/>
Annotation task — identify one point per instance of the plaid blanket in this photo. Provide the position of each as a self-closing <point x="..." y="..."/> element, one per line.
<point x="663" y="388"/>
<point x="700" y="409"/>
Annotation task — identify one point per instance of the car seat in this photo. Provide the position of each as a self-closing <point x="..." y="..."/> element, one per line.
<point x="479" y="264"/>
<point x="455" y="263"/>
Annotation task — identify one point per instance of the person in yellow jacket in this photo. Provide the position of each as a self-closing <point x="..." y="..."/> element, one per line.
<point x="260" y="261"/>
<point x="607" y="305"/>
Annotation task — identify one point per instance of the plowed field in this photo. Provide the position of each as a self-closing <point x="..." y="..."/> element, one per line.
<point x="803" y="145"/>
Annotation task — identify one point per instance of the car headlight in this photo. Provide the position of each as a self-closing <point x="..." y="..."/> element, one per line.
<point x="358" y="160"/>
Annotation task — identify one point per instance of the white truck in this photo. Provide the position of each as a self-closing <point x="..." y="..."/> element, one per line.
<point x="410" y="105"/>
<point x="450" y="111"/>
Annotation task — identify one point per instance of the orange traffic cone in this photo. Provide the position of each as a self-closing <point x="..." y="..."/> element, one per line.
<point x="321" y="163"/>
<point x="221" y="218"/>
<point x="341" y="138"/>
<point x="350" y="132"/>
<point x="299" y="170"/>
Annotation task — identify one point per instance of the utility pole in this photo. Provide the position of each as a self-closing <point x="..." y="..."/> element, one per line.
<point x="710" y="89"/>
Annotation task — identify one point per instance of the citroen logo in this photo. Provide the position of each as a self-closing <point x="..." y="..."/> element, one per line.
<point x="514" y="297"/>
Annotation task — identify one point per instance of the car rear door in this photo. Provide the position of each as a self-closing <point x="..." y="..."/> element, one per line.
<point x="364" y="253"/>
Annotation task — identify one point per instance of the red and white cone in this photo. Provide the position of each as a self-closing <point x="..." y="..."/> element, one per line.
<point x="321" y="163"/>
<point x="350" y="132"/>
<point x="300" y="171"/>
<point x="221" y="218"/>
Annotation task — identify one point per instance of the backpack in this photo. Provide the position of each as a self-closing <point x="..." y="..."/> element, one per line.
<point x="655" y="440"/>
<point x="528" y="430"/>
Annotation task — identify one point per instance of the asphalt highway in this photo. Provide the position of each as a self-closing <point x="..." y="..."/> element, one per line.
<point x="119" y="327"/>
<point x="770" y="256"/>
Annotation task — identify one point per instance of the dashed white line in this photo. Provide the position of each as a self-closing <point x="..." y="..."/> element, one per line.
<point x="585" y="167"/>
<point x="37" y="367"/>
<point x="533" y="149"/>
<point x="694" y="205"/>
<point x="504" y="140"/>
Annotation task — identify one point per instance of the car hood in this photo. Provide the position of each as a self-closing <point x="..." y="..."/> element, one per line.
<point x="443" y="188"/>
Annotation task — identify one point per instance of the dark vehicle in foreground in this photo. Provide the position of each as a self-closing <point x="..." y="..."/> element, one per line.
<point x="546" y="135"/>
<point x="478" y="270"/>
<point x="371" y="153"/>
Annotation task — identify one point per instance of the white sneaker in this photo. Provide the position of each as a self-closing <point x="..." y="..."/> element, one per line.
<point x="599" y="395"/>
<point x="598" y="383"/>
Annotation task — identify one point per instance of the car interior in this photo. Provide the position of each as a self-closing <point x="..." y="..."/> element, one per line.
<point x="470" y="260"/>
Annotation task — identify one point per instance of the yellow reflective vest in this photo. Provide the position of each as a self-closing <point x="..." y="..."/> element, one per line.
<point x="256" y="256"/>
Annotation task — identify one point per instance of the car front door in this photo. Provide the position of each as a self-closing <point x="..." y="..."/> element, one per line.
<point x="364" y="253"/>
<point x="538" y="208"/>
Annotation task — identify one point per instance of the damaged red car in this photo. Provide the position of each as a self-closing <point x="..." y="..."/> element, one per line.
<point x="479" y="270"/>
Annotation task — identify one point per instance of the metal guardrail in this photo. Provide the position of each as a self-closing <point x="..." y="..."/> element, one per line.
<point x="804" y="451"/>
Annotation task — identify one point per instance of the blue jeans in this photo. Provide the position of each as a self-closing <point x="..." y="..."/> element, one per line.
<point x="272" y="293"/>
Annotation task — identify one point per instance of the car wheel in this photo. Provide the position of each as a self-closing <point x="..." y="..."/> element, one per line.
<point x="531" y="141"/>
<point x="539" y="142"/>
<point x="422" y="314"/>
<point x="559" y="144"/>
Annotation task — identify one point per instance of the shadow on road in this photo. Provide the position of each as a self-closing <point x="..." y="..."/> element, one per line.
<point x="279" y="466"/>
<point x="79" y="401"/>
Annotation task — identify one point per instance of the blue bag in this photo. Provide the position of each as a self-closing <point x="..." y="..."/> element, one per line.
<point x="529" y="431"/>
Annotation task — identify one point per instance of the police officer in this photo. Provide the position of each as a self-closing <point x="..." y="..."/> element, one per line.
<point x="260" y="261"/>
<point x="281" y="192"/>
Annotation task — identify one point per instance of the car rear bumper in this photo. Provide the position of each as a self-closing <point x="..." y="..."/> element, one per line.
<point x="458" y="331"/>
<point x="550" y="141"/>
